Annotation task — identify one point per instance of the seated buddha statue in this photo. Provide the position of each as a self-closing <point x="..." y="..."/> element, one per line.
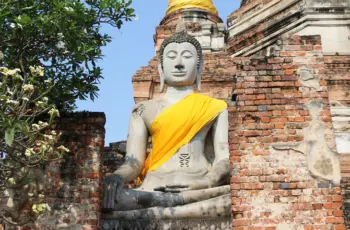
<point x="186" y="173"/>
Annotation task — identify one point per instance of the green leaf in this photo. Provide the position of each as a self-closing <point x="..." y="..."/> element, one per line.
<point x="25" y="129"/>
<point x="27" y="180"/>
<point x="9" y="136"/>
<point x="62" y="40"/>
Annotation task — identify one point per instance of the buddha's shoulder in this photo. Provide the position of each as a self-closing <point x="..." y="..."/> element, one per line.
<point x="216" y="101"/>
<point x="146" y="106"/>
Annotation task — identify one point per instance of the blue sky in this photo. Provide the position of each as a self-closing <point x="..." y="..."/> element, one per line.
<point x="131" y="48"/>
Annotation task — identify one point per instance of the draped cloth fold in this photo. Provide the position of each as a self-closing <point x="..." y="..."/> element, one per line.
<point x="174" y="5"/>
<point x="177" y="125"/>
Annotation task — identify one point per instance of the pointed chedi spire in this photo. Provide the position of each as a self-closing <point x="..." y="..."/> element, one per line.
<point x="174" y="5"/>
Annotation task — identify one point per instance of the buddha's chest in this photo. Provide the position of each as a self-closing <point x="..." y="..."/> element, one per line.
<point x="153" y="110"/>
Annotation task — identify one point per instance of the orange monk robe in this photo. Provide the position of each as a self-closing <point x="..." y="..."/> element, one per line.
<point x="177" y="125"/>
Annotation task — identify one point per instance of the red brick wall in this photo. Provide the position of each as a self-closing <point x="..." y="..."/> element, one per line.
<point x="345" y="185"/>
<point x="73" y="186"/>
<point x="275" y="189"/>
<point x="338" y="75"/>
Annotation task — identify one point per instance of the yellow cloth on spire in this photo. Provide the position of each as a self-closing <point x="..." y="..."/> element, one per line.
<point x="177" y="125"/>
<point x="185" y="4"/>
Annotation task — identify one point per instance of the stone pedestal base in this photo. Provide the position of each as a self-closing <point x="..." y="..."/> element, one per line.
<point x="183" y="224"/>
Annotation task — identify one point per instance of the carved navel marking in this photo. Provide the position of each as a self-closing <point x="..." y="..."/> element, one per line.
<point x="185" y="159"/>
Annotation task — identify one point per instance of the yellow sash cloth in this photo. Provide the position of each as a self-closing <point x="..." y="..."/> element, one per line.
<point x="174" y="5"/>
<point x="177" y="125"/>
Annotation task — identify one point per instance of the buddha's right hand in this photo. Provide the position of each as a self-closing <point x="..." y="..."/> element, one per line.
<point x="113" y="185"/>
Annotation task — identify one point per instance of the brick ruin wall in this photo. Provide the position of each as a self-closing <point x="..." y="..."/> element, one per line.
<point x="113" y="158"/>
<point x="272" y="187"/>
<point x="338" y="76"/>
<point x="73" y="185"/>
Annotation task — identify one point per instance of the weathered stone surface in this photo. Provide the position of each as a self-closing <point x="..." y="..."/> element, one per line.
<point x="113" y="156"/>
<point x="184" y="224"/>
<point x="205" y="26"/>
<point x="322" y="161"/>
<point x="337" y="72"/>
<point x="257" y="24"/>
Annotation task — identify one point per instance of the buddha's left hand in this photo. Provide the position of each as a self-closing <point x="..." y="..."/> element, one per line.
<point x="219" y="172"/>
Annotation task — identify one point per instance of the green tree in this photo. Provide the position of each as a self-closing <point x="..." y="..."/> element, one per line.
<point x="65" y="37"/>
<point x="26" y="143"/>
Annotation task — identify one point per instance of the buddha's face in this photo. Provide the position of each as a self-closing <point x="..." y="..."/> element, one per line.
<point x="180" y="64"/>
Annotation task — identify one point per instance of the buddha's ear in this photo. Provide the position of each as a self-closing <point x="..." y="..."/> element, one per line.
<point x="161" y="76"/>
<point x="199" y="76"/>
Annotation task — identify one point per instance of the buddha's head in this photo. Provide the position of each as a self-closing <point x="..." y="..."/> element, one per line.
<point x="181" y="61"/>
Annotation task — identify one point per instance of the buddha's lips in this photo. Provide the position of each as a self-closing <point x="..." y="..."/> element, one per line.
<point x="179" y="73"/>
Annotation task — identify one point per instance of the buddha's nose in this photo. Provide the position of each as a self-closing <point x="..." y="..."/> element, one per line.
<point x="179" y="66"/>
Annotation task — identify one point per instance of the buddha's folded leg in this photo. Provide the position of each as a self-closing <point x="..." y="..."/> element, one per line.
<point x="215" y="207"/>
<point x="135" y="199"/>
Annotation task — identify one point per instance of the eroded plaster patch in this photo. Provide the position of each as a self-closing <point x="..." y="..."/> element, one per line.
<point x="322" y="160"/>
<point x="264" y="202"/>
<point x="307" y="78"/>
<point x="287" y="226"/>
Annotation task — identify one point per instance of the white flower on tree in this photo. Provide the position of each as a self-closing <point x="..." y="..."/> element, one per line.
<point x="54" y="112"/>
<point x="28" y="88"/>
<point x="40" y="208"/>
<point x="29" y="152"/>
<point x="28" y="144"/>
<point x="61" y="45"/>
<point x="37" y="70"/>
<point x="63" y="149"/>
<point x="12" y="102"/>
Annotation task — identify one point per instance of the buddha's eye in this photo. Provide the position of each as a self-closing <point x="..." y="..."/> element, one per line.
<point x="171" y="54"/>
<point x="187" y="55"/>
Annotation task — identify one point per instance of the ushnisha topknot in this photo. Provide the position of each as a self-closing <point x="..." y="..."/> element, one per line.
<point x="181" y="37"/>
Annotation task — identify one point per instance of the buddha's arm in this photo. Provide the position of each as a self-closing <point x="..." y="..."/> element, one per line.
<point x="221" y="165"/>
<point x="134" y="160"/>
<point x="136" y="146"/>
